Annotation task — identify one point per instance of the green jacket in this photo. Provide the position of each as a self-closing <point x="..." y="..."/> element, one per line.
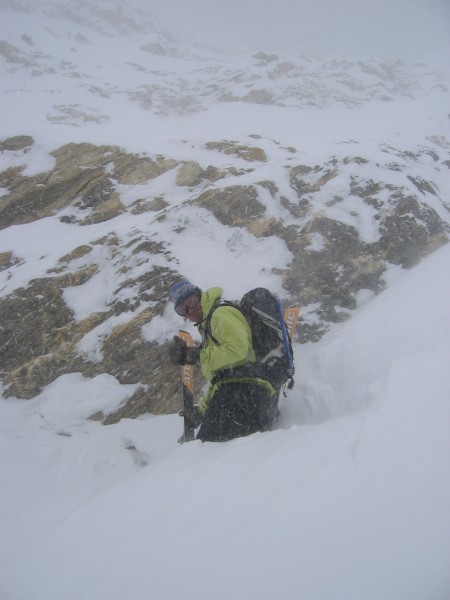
<point x="230" y="328"/>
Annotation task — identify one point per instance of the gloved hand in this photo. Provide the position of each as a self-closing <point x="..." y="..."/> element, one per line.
<point x="177" y="351"/>
<point x="180" y="354"/>
<point x="192" y="355"/>
<point x="192" y="415"/>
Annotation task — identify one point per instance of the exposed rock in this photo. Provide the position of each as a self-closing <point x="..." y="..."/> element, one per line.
<point x="107" y="205"/>
<point x="36" y="319"/>
<point x="14" y="144"/>
<point x="156" y="205"/>
<point x="410" y="231"/>
<point x="190" y="174"/>
<point x="306" y="180"/>
<point x="40" y="338"/>
<point x="249" y="153"/>
<point x="9" y="178"/>
<point x="28" y="380"/>
<point x="235" y="205"/>
<point x="79" y="175"/>
<point x="355" y="159"/>
<point x="7" y="260"/>
<point x="422" y="185"/>
<point x="139" y="403"/>
<point x="82" y="178"/>
<point x="38" y="333"/>
<point x="30" y="319"/>
<point x="364" y="189"/>
<point x="329" y="277"/>
<point x="78" y="252"/>
<point x="81" y="156"/>
<point x="131" y="169"/>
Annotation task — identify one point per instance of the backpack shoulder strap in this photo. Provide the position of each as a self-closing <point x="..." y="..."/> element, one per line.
<point x="207" y="334"/>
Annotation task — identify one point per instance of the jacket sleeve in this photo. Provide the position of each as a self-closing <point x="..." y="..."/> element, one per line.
<point x="230" y="328"/>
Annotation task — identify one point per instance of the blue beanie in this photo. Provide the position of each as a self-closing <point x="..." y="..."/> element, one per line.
<point x="182" y="290"/>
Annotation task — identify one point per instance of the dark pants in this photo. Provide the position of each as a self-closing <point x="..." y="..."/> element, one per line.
<point x="236" y="409"/>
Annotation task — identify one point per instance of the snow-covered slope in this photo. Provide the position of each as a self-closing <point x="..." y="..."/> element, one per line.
<point x="96" y="64"/>
<point x="349" y="499"/>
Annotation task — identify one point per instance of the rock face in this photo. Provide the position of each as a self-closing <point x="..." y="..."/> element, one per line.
<point x="81" y="178"/>
<point x="344" y="231"/>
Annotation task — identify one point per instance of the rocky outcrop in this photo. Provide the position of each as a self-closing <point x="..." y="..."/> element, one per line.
<point x="343" y="229"/>
<point x="234" y="206"/>
<point x="191" y="174"/>
<point x="84" y="178"/>
<point x="248" y="153"/>
<point x="19" y="142"/>
<point x="409" y="231"/>
<point x="39" y="339"/>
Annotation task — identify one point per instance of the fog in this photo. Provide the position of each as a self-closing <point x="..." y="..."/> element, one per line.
<point x="409" y="29"/>
<point x="415" y="30"/>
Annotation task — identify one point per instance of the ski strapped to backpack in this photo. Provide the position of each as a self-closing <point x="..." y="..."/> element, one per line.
<point x="271" y="334"/>
<point x="291" y="315"/>
<point x="286" y="341"/>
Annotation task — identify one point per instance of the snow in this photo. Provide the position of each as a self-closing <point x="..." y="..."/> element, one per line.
<point x="349" y="499"/>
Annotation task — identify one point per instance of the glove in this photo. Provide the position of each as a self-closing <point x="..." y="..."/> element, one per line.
<point x="192" y="355"/>
<point x="180" y="354"/>
<point x="177" y="351"/>
<point x="192" y="415"/>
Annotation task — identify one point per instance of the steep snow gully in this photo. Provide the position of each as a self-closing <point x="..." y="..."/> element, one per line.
<point x="349" y="499"/>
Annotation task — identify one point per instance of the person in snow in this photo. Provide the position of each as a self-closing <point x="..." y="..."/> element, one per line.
<point x="237" y="402"/>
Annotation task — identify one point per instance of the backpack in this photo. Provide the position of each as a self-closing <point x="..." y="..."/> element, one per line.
<point x="272" y="345"/>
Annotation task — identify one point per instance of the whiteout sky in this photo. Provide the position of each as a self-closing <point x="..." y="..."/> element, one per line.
<point x="411" y="29"/>
<point x="415" y="30"/>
